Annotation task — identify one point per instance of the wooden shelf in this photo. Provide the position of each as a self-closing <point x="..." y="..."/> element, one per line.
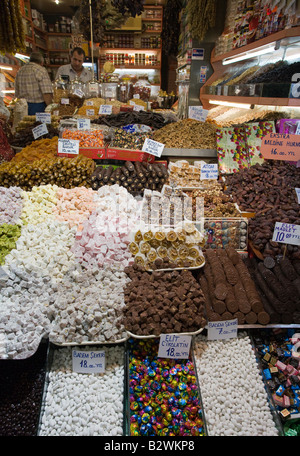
<point x="138" y="67"/>
<point x="58" y="50"/>
<point x="129" y="49"/>
<point x="291" y="102"/>
<point x="59" y="34"/>
<point x="287" y="33"/>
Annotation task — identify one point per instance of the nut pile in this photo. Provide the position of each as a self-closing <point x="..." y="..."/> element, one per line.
<point x="229" y="289"/>
<point x="268" y="190"/>
<point x="187" y="134"/>
<point x="162" y="302"/>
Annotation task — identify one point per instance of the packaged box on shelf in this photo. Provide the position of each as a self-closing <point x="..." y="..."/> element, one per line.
<point x="116" y="153"/>
<point x="95" y="153"/>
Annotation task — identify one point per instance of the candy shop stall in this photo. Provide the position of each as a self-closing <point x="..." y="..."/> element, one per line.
<point x="149" y="260"/>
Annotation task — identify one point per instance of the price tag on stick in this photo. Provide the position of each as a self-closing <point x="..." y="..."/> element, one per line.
<point x="68" y="146"/>
<point x="153" y="147"/>
<point x="226" y="329"/>
<point x="40" y="130"/>
<point x="286" y="233"/>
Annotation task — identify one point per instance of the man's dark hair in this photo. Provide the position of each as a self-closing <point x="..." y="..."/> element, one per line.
<point x="36" y="57"/>
<point x="79" y="51"/>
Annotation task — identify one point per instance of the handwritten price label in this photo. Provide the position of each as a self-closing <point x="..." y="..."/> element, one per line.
<point x="286" y="233"/>
<point x="153" y="147"/>
<point x="44" y="117"/>
<point x="298" y="194"/>
<point x="83" y="124"/>
<point x="275" y="146"/>
<point x="40" y="130"/>
<point x="88" y="362"/>
<point x="174" y="346"/>
<point x="105" y="109"/>
<point x="68" y="146"/>
<point x="226" y="329"/>
<point x="209" y="171"/>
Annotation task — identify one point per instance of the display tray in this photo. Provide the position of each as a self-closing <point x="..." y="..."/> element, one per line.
<point x="193" y="153"/>
<point x="72" y="344"/>
<point x="127" y="410"/>
<point x="116" y="153"/>
<point x="191" y="268"/>
<point x="153" y="336"/>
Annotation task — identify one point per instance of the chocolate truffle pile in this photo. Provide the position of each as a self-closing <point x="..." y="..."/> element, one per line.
<point x="162" y="302"/>
<point x="278" y="283"/>
<point x="229" y="289"/>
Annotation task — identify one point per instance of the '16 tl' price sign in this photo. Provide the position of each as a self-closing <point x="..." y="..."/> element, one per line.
<point x="286" y="233"/>
<point x="275" y="146"/>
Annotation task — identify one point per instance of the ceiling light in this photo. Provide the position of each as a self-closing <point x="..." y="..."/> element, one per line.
<point x="21" y="56"/>
<point x="230" y="104"/>
<point x="248" y="55"/>
<point x="8" y="68"/>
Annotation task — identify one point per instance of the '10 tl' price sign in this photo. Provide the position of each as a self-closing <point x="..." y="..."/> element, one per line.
<point x="174" y="346"/>
<point x="286" y="233"/>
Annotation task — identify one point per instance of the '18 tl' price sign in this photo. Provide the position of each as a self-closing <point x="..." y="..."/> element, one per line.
<point x="174" y="346"/>
<point x="286" y="233"/>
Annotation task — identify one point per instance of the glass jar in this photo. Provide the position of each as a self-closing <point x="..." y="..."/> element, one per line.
<point x="60" y="89"/>
<point x="125" y="90"/>
<point x="142" y="89"/>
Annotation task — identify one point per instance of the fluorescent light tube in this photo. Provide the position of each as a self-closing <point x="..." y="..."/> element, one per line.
<point x="231" y="104"/>
<point x="8" y="91"/>
<point x="241" y="57"/>
<point x="7" y="68"/>
<point x="21" y="56"/>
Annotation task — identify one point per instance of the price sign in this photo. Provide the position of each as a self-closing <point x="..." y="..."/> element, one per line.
<point x="153" y="147"/>
<point x="44" y="117"/>
<point x="83" y="124"/>
<point x="93" y="88"/>
<point x="88" y="362"/>
<point x="198" y="113"/>
<point x="209" y="171"/>
<point x="136" y="95"/>
<point x="89" y="103"/>
<point x="90" y="112"/>
<point x="56" y="113"/>
<point x="79" y="93"/>
<point x="68" y="146"/>
<point x="65" y="101"/>
<point x="298" y="129"/>
<point x="105" y="109"/>
<point x="226" y="329"/>
<point x="286" y="233"/>
<point x="174" y="346"/>
<point x="40" y="130"/>
<point x="276" y="146"/>
<point x="298" y="194"/>
<point x="138" y="108"/>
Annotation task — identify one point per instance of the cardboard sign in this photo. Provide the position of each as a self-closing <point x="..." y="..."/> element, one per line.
<point x="153" y="147"/>
<point x="209" y="171"/>
<point x="275" y="146"/>
<point x="83" y="124"/>
<point x="88" y="362"/>
<point x="44" y="117"/>
<point x="40" y="130"/>
<point x="105" y="109"/>
<point x="68" y="146"/>
<point x="286" y="233"/>
<point x="174" y="346"/>
<point x="226" y="329"/>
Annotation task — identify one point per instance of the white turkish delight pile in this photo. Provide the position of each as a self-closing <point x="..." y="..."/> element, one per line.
<point x="11" y="205"/>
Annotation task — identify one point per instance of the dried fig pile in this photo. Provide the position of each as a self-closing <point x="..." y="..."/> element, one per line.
<point x="268" y="190"/>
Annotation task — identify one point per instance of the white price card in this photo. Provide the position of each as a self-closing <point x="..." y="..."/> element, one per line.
<point x="93" y="87"/>
<point x="136" y="95"/>
<point x="286" y="233"/>
<point x="198" y="113"/>
<point x="298" y="194"/>
<point x="226" y="329"/>
<point x="138" y="108"/>
<point x="153" y="147"/>
<point x="68" y="146"/>
<point x="83" y="124"/>
<point x="105" y="109"/>
<point x="79" y="93"/>
<point x="44" y="117"/>
<point x="64" y="101"/>
<point x="89" y="103"/>
<point x="298" y="129"/>
<point x="40" y="130"/>
<point x="174" y="346"/>
<point x="90" y="112"/>
<point x="88" y="362"/>
<point x="209" y="171"/>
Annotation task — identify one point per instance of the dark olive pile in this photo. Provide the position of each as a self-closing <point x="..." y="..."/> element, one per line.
<point x="25" y="137"/>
